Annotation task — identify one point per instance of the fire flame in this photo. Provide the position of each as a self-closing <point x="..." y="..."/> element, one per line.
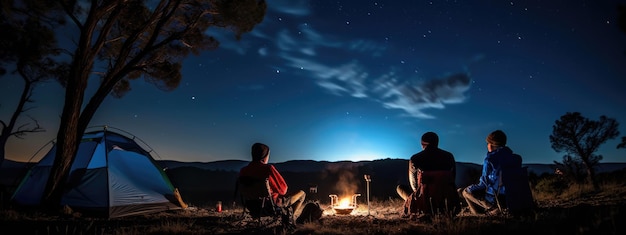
<point x="345" y="203"/>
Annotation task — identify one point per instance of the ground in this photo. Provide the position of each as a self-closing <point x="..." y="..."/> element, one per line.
<point x="595" y="214"/>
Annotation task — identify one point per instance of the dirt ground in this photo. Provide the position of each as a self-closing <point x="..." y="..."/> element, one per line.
<point x="595" y="214"/>
<point x="582" y="218"/>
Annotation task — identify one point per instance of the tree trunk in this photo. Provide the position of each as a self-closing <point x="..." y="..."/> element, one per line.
<point x="3" y="142"/>
<point x="68" y="137"/>
<point x="591" y="175"/>
<point x="67" y="146"/>
<point x="71" y="129"/>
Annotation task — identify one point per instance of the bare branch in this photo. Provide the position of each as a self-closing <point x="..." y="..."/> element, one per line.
<point x="23" y="129"/>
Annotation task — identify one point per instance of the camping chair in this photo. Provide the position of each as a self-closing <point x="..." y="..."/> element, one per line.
<point x="437" y="192"/>
<point x="518" y="198"/>
<point x="256" y="198"/>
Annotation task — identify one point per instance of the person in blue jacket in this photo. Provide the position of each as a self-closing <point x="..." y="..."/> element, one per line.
<point x="481" y="197"/>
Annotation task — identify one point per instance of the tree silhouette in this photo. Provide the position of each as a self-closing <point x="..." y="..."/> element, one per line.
<point x="580" y="137"/>
<point x="27" y="48"/>
<point x="118" y="41"/>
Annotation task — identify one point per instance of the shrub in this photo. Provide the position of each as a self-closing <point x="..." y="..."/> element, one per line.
<point x="553" y="185"/>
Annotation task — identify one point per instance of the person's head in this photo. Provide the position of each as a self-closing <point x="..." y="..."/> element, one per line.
<point x="495" y="140"/>
<point x="260" y="152"/>
<point x="430" y="139"/>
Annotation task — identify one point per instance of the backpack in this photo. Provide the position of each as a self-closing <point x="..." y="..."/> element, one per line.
<point x="310" y="212"/>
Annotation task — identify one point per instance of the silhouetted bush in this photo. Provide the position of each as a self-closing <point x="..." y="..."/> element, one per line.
<point x="553" y="184"/>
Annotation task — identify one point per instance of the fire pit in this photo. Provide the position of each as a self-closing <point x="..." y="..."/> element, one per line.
<point x="345" y="206"/>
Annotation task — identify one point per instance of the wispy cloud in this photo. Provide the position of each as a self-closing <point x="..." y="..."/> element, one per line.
<point x="303" y="49"/>
<point x="414" y="98"/>
<point x="290" y="7"/>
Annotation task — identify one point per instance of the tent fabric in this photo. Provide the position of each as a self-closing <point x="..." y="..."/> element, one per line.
<point x="111" y="176"/>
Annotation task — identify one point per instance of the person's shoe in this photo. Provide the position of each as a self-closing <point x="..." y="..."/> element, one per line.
<point x="460" y="191"/>
<point x="492" y="212"/>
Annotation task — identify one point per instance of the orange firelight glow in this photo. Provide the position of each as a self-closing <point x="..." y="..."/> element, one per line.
<point x="345" y="202"/>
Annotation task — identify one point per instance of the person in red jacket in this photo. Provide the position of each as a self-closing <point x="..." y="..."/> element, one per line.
<point x="259" y="168"/>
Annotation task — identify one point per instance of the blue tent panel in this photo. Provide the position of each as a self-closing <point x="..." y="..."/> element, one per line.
<point x="111" y="176"/>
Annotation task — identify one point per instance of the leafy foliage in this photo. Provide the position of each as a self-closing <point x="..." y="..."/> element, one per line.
<point x="27" y="38"/>
<point x="139" y="39"/>
<point x="579" y="135"/>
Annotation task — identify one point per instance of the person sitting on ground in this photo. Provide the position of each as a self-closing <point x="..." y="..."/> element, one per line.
<point x="432" y="174"/>
<point x="259" y="168"/>
<point x="481" y="197"/>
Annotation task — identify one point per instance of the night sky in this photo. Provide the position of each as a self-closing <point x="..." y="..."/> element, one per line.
<point x="363" y="80"/>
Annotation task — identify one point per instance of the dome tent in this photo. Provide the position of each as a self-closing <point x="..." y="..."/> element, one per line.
<point x="111" y="176"/>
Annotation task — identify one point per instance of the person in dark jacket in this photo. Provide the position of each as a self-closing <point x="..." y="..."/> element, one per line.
<point x="484" y="196"/>
<point x="432" y="174"/>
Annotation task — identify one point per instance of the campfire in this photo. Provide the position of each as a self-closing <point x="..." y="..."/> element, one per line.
<point x="345" y="206"/>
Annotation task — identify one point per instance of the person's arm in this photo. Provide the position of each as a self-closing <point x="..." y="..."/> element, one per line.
<point x="482" y="182"/>
<point x="413" y="176"/>
<point x="277" y="183"/>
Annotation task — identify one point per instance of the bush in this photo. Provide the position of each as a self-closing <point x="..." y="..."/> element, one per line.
<point x="553" y="184"/>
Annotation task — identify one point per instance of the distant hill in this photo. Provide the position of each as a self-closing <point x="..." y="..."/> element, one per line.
<point x="236" y="165"/>
<point x="226" y="165"/>
<point x="316" y="166"/>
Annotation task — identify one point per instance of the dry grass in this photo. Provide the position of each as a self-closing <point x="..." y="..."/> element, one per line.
<point x="577" y="210"/>
<point x="610" y="193"/>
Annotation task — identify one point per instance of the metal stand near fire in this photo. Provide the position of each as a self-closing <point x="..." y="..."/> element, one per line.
<point x="345" y="206"/>
<point x="368" y="179"/>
